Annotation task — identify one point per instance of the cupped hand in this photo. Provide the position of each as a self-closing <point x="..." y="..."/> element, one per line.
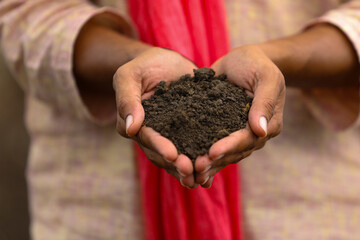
<point x="250" y="68"/>
<point x="135" y="81"/>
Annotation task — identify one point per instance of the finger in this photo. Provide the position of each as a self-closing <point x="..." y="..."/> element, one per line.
<point x="202" y="178"/>
<point x="153" y="140"/>
<point x="276" y="123"/>
<point x="127" y="86"/>
<point x="120" y="127"/>
<point x="266" y="96"/>
<point x="189" y="182"/>
<point x="159" y="162"/>
<point x="202" y="163"/>
<point x="220" y="164"/>
<point x="236" y="142"/>
<point x="208" y="183"/>
<point x="205" y="178"/>
<point x="184" y="165"/>
<point x="203" y="167"/>
<point x="154" y="157"/>
<point x="231" y="159"/>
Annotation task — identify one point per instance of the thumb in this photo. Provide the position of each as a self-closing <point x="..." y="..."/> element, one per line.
<point x="127" y="86"/>
<point x="266" y="96"/>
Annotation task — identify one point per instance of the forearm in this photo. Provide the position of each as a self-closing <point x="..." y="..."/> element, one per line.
<point x="321" y="56"/>
<point x="99" y="52"/>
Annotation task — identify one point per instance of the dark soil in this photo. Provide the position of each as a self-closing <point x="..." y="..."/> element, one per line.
<point x="195" y="112"/>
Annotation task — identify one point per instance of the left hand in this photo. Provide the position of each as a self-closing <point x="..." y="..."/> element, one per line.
<point x="250" y="68"/>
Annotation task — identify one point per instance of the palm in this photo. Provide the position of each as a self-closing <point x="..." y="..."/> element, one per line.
<point x="249" y="68"/>
<point x="144" y="73"/>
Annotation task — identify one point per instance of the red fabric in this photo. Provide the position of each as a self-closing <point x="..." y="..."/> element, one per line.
<point x="197" y="29"/>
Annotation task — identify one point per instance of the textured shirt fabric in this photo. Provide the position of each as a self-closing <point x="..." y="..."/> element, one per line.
<point x="83" y="184"/>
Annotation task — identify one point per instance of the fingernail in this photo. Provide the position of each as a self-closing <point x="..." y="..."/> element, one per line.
<point x="219" y="157"/>
<point x="263" y="124"/>
<point x="195" y="186"/>
<point x="182" y="183"/>
<point x="181" y="174"/>
<point x="206" y="179"/>
<point x="206" y="169"/>
<point x="129" y="120"/>
<point x="212" y="178"/>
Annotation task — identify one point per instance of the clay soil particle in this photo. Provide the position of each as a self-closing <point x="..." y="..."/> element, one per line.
<point x="195" y="112"/>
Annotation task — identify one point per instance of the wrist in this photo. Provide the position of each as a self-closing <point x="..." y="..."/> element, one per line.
<point x="321" y="56"/>
<point x="286" y="55"/>
<point x="133" y="49"/>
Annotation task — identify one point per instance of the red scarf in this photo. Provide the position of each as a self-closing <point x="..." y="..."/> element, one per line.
<point x="197" y="29"/>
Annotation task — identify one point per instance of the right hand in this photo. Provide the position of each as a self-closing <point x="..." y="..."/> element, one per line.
<point x="135" y="81"/>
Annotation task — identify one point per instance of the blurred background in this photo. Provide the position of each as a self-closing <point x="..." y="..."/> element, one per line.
<point x="14" y="215"/>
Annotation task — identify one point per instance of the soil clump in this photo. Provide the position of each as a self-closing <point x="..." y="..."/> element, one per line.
<point x="195" y="112"/>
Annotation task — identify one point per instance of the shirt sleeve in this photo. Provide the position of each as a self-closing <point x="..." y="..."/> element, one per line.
<point x="37" y="39"/>
<point x="338" y="109"/>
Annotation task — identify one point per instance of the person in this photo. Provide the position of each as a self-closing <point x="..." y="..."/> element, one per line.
<point x="83" y="183"/>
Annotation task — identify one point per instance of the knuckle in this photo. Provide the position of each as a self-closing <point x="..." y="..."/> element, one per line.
<point x="281" y="82"/>
<point x="280" y="76"/>
<point x="269" y="106"/>
<point x="117" y="76"/>
<point x="122" y="105"/>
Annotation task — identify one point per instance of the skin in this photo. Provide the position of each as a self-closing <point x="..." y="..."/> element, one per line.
<point x="304" y="60"/>
<point x="105" y="59"/>
<point x="99" y="51"/>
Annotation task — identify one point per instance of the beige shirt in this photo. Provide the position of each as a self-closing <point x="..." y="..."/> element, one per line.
<point x="305" y="184"/>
